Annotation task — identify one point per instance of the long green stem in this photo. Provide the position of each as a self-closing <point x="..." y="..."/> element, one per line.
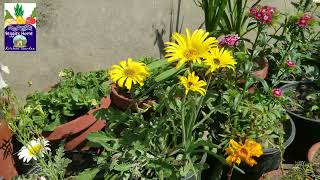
<point x="255" y="42"/>
<point x="183" y="123"/>
<point x="284" y="30"/>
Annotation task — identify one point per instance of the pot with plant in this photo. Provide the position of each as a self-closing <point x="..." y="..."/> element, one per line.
<point x="66" y="109"/>
<point x="172" y="140"/>
<point x="257" y="128"/>
<point x="121" y="93"/>
<point x="314" y="157"/>
<point x="298" y="171"/>
<point x="304" y="110"/>
<point x="134" y="73"/>
<point x="8" y="111"/>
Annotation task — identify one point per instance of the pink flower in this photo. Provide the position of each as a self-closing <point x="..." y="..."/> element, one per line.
<point x="277" y="92"/>
<point x="263" y="14"/>
<point x="267" y="18"/>
<point x="253" y="11"/>
<point x="291" y="63"/>
<point x="304" y="21"/>
<point x="258" y="15"/>
<point x="230" y="40"/>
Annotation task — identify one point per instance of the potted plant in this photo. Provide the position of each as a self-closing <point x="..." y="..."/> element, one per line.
<point x="122" y="95"/>
<point x="300" y="171"/>
<point x="171" y="141"/>
<point x="66" y="109"/>
<point x="314" y="157"/>
<point x="241" y="117"/>
<point x="304" y="111"/>
<point x="7" y="106"/>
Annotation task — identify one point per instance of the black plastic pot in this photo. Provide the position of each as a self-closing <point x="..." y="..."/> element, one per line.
<point x="308" y="131"/>
<point x="270" y="160"/>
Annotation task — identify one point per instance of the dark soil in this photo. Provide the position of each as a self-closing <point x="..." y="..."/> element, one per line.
<point x="299" y="96"/>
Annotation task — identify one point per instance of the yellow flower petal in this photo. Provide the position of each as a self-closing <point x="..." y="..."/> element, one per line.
<point x="192" y="82"/>
<point x="219" y="58"/>
<point x="129" y="72"/>
<point x="190" y="47"/>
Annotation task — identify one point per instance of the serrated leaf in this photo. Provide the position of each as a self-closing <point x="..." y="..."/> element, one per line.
<point x="103" y="139"/>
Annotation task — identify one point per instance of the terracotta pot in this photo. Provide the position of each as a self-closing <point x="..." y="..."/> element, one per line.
<point x="313" y="151"/>
<point x="77" y="130"/>
<point x="119" y="100"/>
<point x="7" y="164"/>
<point x="263" y="73"/>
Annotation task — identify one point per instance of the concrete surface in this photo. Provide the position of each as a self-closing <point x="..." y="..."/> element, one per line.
<point x="93" y="34"/>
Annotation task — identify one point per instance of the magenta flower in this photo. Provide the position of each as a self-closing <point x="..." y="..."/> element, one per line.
<point x="291" y="63"/>
<point x="304" y="21"/>
<point x="230" y="40"/>
<point x="277" y="92"/>
<point x="263" y="14"/>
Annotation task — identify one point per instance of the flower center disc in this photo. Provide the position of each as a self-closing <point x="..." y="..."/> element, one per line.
<point x="190" y="53"/>
<point x="216" y="61"/>
<point x="34" y="150"/>
<point x="129" y="72"/>
<point x="190" y="84"/>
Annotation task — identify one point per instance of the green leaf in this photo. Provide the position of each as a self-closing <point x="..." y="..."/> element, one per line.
<point x="111" y="115"/>
<point x="167" y="74"/>
<point x="236" y="101"/>
<point x="8" y="15"/>
<point x="238" y="169"/>
<point x="157" y="64"/>
<point x="52" y="125"/>
<point x="122" y="167"/>
<point x="87" y="174"/>
<point x="264" y="84"/>
<point x="33" y="14"/>
<point x="103" y="139"/>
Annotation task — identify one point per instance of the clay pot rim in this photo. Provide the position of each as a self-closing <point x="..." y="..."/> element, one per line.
<point x="313" y="150"/>
<point x="114" y="88"/>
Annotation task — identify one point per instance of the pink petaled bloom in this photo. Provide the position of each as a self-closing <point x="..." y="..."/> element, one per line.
<point x="267" y="18"/>
<point x="229" y="40"/>
<point x="263" y="14"/>
<point x="277" y="92"/>
<point x="291" y="63"/>
<point x="253" y="11"/>
<point x="304" y="21"/>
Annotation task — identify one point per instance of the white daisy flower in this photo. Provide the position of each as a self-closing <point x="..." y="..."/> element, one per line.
<point x="34" y="149"/>
<point x="5" y="69"/>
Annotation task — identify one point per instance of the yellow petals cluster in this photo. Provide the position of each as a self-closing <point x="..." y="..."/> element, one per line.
<point x="198" y="47"/>
<point x="192" y="83"/>
<point x="189" y="47"/>
<point x="128" y="73"/>
<point x="238" y="152"/>
<point x="219" y="58"/>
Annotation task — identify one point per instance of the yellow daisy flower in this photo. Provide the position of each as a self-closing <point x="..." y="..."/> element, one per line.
<point x="192" y="83"/>
<point x="219" y="58"/>
<point x="128" y="73"/>
<point x="188" y="47"/>
<point x="243" y="152"/>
